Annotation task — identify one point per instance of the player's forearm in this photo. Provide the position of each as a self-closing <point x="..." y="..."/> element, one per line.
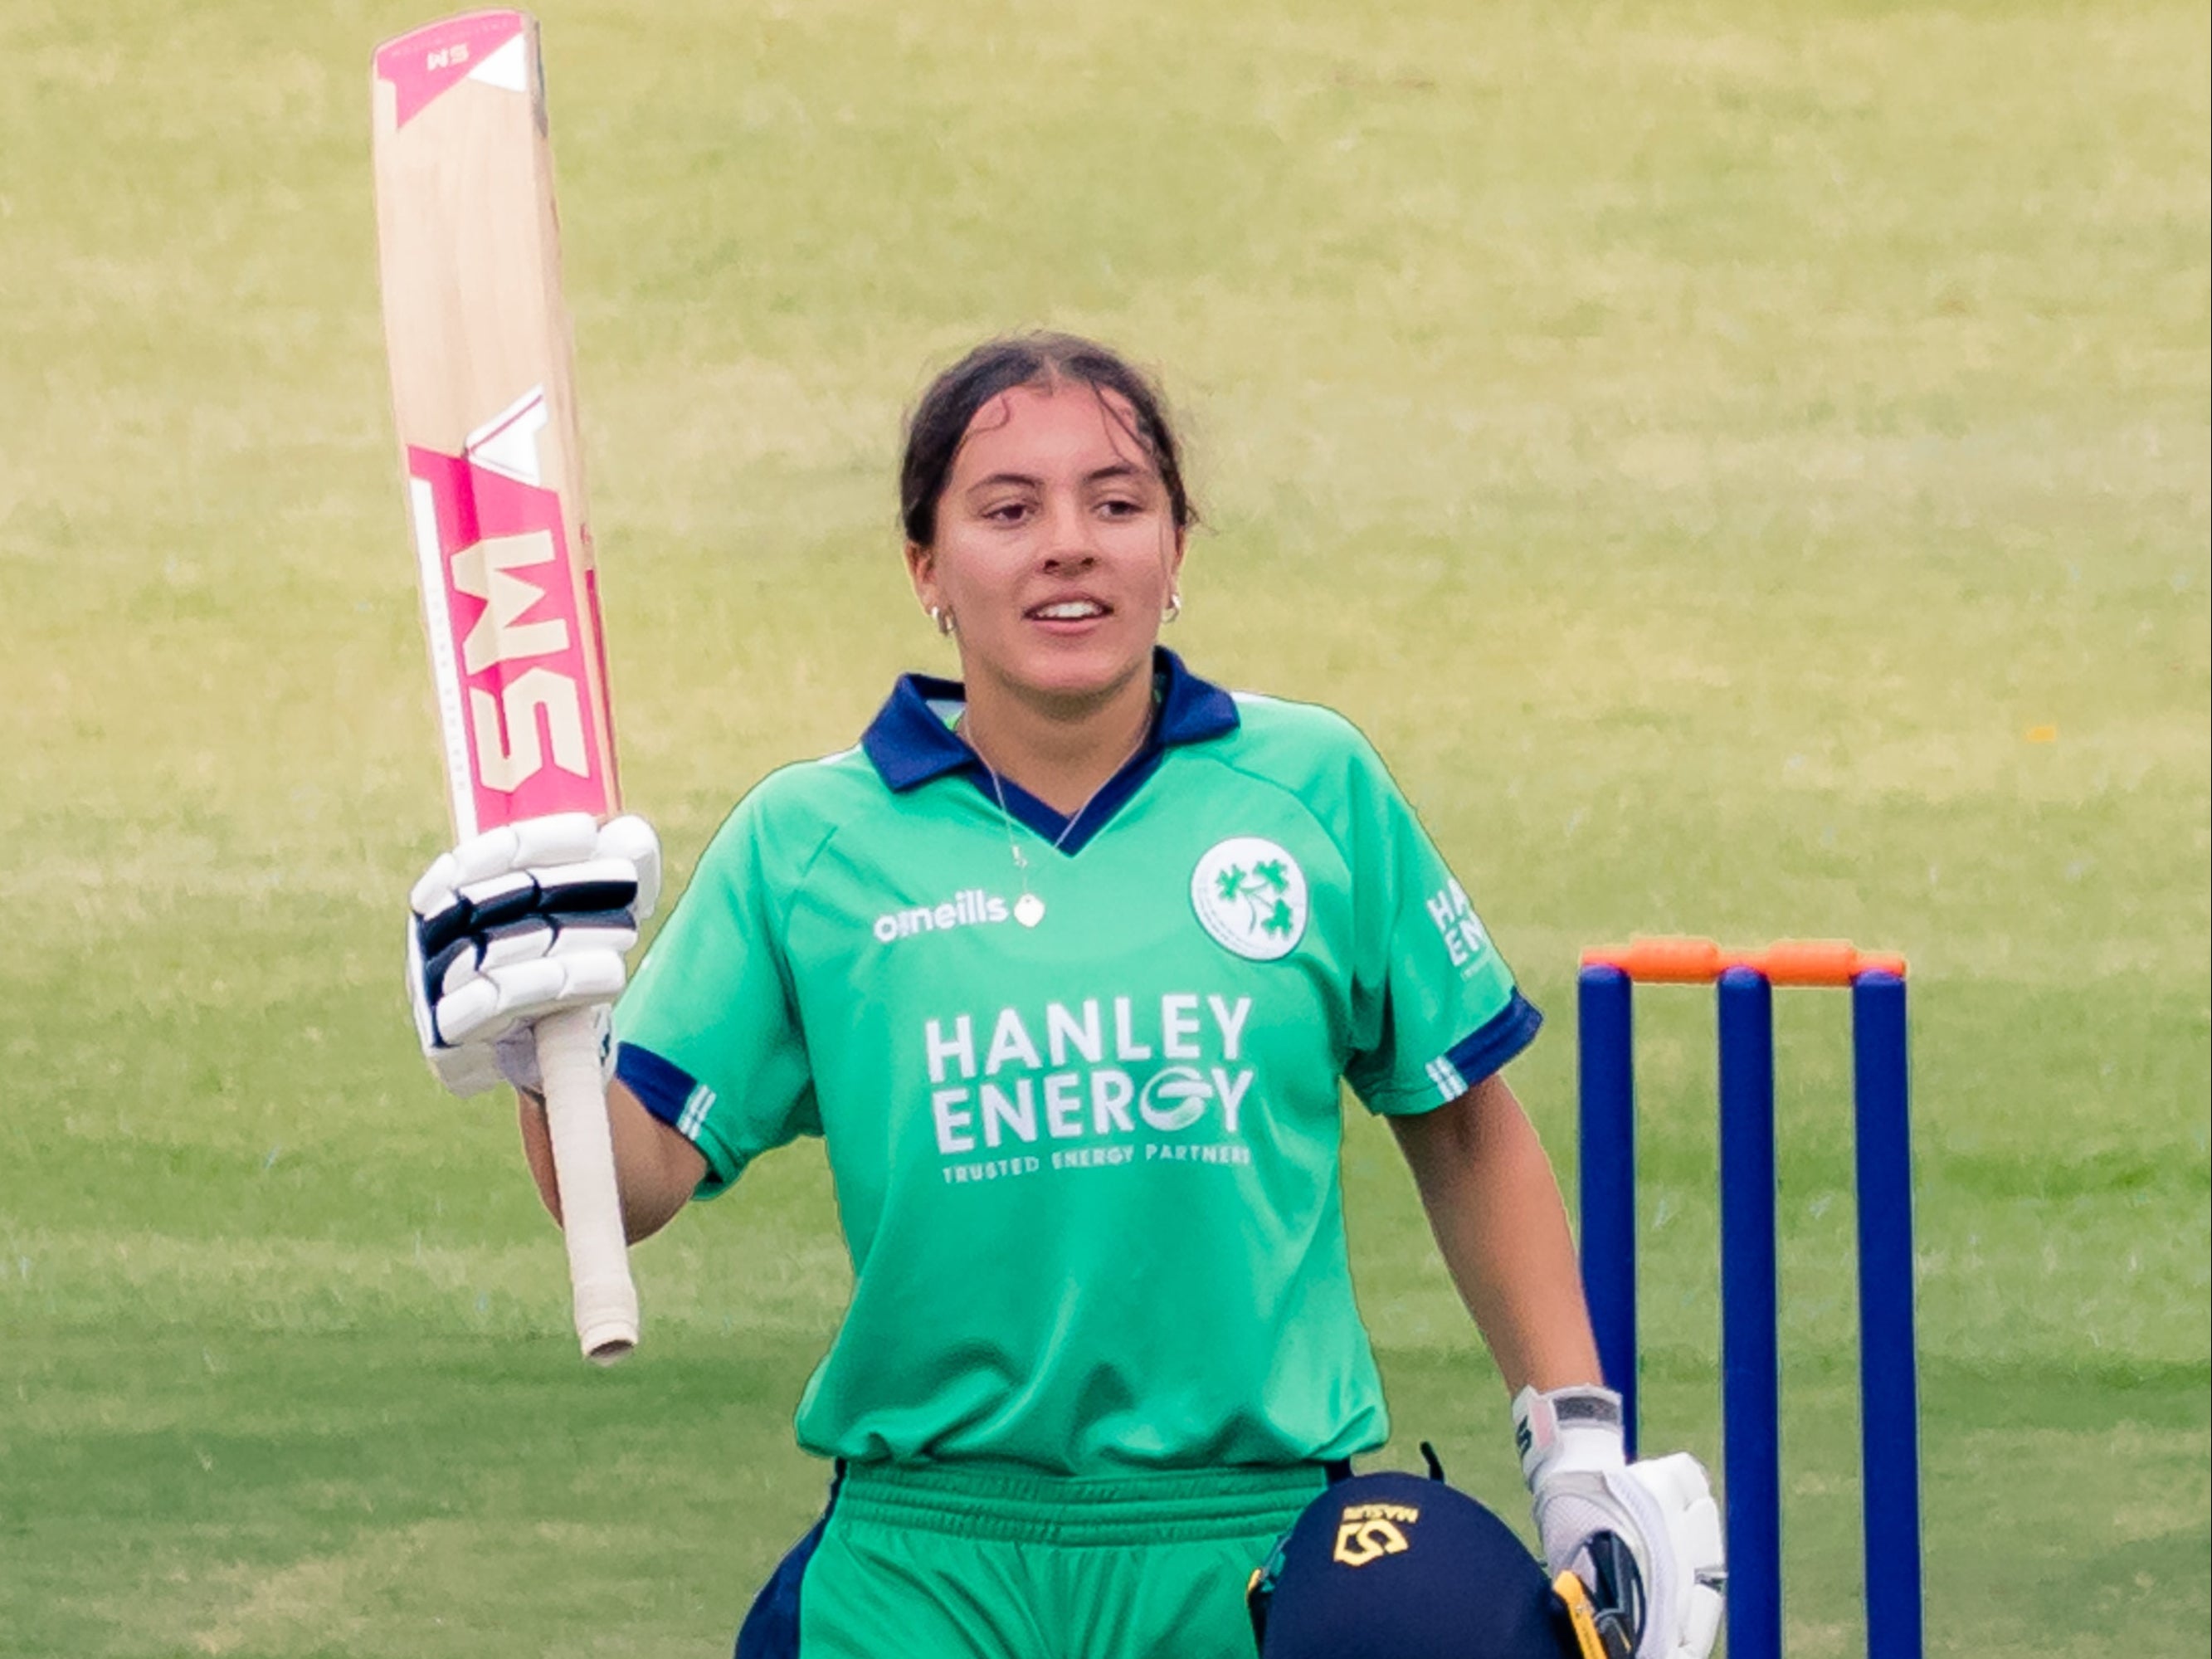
<point x="1494" y="1206"/>
<point x="656" y="1169"/>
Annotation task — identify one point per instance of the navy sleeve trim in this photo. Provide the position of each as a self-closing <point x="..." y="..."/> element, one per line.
<point x="662" y="1088"/>
<point x="1481" y="1054"/>
<point x="672" y="1094"/>
<point x="1484" y="1053"/>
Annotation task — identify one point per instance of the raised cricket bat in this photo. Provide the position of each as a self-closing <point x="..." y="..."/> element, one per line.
<point x="483" y="397"/>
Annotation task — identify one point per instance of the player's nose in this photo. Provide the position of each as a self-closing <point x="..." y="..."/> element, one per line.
<point x="1071" y="538"/>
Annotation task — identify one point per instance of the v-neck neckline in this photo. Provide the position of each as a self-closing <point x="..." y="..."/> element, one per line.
<point x="1068" y="834"/>
<point x="911" y="741"/>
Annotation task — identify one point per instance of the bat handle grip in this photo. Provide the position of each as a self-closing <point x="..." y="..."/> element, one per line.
<point x="583" y="1167"/>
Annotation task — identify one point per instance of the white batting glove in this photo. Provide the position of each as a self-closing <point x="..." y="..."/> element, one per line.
<point x="517" y="923"/>
<point x="1661" y="1508"/>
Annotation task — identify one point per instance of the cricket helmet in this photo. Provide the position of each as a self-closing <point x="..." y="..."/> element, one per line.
<point x="1404" y="1566"/>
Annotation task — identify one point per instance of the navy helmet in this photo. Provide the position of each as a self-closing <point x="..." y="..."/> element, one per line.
<point x="1405" y="1566"/>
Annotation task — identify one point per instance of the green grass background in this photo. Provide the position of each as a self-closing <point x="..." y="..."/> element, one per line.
<point x="1698" y="441"/>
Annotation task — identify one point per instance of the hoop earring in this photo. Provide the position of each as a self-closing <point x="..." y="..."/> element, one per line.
<point x="943" y="618"/>
<point x="1175" y="607"/>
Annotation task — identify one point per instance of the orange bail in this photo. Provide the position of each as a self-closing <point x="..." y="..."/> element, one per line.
<point x="1677" y="960"/>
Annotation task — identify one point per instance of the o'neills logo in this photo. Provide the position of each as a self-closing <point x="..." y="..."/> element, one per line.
<point x="967" y="907"/>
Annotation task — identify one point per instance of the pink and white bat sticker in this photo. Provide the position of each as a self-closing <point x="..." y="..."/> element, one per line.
<point x="482" y="45"/>
<point x="514" y="623"/>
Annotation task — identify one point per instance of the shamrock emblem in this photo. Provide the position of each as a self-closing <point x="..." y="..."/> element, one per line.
<point x="1258" y="893"/>
<point x="1250" y="894"/>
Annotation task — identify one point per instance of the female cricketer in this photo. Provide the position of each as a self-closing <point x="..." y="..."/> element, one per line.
<point x="1066" y="962"/>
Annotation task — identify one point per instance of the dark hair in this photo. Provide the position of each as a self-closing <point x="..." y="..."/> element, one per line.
<point x="940" y="422"/>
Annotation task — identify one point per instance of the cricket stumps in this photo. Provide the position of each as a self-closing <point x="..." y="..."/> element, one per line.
<point x="1750" y="1347"/>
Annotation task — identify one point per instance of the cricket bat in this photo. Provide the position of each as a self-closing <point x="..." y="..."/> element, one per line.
<point x="483" y="397"/>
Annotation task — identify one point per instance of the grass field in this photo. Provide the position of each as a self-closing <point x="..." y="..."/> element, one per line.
<point x="1700" y="441"/>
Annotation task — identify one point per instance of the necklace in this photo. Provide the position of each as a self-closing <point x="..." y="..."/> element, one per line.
<point x="1029" y="908"/>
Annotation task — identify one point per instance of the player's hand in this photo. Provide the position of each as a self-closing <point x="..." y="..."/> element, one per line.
<point x="1661" y="1508"/>
<point x="521" y="922"/>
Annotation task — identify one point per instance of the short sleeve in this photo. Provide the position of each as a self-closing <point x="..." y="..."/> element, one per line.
<point x="709" y="1032"/>
<point x="1435" y="1008"/>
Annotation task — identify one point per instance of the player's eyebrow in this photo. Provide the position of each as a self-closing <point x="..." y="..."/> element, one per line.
<point x="1118" y="470"/>
<point x="1029" y="480"/>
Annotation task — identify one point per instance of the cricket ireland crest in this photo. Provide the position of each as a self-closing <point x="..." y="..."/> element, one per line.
<point x="1250" y="897"/>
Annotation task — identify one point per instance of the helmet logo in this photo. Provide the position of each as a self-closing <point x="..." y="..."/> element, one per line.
<point x="1368" y="1531"/>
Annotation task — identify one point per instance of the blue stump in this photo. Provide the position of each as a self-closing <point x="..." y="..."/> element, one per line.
<point x="1609" y="1177"/>
<point x="1751" y="1370"/>
<point x="1889" y="1410"/>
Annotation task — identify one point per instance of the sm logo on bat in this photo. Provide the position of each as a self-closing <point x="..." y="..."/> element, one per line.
<point x="515" y="642"/>
<point x="517" y="578"/>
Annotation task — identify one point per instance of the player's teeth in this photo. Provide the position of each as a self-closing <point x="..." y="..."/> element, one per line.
<point x="1068" y="612"/>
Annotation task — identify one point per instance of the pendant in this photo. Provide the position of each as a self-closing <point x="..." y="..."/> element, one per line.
<point x="1029" y="910"/>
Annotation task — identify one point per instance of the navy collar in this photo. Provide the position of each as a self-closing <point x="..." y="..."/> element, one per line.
<point x="911" y="741"/>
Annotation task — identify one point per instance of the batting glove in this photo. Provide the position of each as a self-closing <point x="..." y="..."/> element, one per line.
<point x="517" y="923"/>
<point x="1661" y="1508"/>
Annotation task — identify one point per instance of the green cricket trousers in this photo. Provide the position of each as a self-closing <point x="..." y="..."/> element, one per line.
<point x="983" y="1561"/>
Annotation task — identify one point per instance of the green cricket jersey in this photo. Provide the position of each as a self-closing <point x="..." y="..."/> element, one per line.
<point x="1085" y="1160"/>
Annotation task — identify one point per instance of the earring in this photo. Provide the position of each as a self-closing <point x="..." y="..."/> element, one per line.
<point x="943" y="618"/>
<point x="1174" y="606"/>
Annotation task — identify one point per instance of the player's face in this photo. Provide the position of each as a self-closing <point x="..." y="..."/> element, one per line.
<point x="1056" y="546"/>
